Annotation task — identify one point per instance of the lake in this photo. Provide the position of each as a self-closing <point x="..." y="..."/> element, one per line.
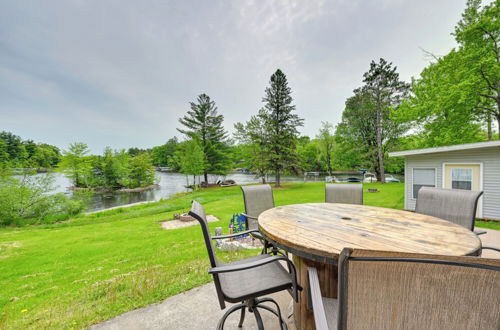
<point x="169" y="184"/>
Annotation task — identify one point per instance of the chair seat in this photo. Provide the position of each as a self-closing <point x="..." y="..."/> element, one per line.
<point x="331" y="306"/>
<point x="269" y="278"/>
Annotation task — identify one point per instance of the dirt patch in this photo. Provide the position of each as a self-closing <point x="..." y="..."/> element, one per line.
<point x="174" y="224"/>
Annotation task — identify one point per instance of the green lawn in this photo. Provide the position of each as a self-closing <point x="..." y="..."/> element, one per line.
<point x="93" y="267"/>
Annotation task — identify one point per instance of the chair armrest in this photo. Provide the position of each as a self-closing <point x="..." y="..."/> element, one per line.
<point x="479" y="231"/>
<point x="243" y="266"/>
<point x="249" y="216"/>
<point x="235" y="234"/>
<point x="490" y="248"/>
<point x="316" y="300"/>
<point x="260" y="262"/>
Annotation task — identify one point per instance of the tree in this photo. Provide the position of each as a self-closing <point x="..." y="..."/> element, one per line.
<point x="478" y="35"/>
<point x="386" y="91"/>
<point x="141" y="172"/>
<point x="255" y="137"/>
<point x="355" y="135"/>
<point x="28" y="199"/>
<point x="114" y="167"/>
<point x="161" y="154"/>
<point x="204" y="124"/>
<point x="326" y="143"/>
<point x="192" y="160"/>
<point x="77" y="165"/>
<point x="280" y="124"/>
<point x="459" y="93"/>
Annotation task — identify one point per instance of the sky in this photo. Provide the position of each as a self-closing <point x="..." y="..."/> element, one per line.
<point x="121" y="73"/>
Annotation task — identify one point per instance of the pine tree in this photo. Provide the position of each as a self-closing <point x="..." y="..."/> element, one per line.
<point x="386" y="92"/>
<point x="204" y="124"/>
<point x="280" y="124"/>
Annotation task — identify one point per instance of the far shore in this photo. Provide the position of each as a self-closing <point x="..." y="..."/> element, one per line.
<point x="103" y="189"/>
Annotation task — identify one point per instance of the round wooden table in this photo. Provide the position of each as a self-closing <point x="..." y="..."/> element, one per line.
<point x="316" y="233"/>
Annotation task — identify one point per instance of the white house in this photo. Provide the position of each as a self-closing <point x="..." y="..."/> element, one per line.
<point x="472" y="166"/>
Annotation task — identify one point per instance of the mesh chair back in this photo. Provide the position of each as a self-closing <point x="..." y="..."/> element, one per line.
<point x="198" y="212"/>
<point x="258" y="199"/>
<point x="455" y="205"/>
<point x="344" y="193"/>
<point x="384" y="290"/>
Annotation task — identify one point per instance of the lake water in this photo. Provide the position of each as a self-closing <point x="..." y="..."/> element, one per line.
<point x="169" y="184"/>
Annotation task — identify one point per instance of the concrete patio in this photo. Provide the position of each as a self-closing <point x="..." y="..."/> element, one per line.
<point x="199" y="309"/>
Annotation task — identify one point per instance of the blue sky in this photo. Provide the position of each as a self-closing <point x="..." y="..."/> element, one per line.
<point x="121" y="73"/>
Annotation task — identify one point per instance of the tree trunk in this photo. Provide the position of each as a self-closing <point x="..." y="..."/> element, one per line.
<point x="277" y="184"/>
<point x="205" y="176"/>
<point x="498" y="122"/>
<point x="194" y="181"/>
<point x="490" y="133"/>
<point x="380" y="153"/>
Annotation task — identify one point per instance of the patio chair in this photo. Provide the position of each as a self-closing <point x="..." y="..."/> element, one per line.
<point x="391" y="290"/>
<point x="257" y="199"/>
<point x="245" y="281"/>
<point x="344" y="193"/>
<point x="456" y="205"/>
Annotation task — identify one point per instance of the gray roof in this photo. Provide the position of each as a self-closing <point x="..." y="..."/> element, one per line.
<point x="456" y="147"/>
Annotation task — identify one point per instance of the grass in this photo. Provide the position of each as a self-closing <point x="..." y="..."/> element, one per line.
<point x="88" y="269"/>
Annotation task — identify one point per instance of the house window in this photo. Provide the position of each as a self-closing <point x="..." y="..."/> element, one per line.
<point x="461" y="178"/>
<point x="423" y="177"/>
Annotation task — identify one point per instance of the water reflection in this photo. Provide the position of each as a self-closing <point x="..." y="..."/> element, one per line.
<point x="169" y="184"/>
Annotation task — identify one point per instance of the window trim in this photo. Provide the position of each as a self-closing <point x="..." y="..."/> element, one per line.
<point x="413" y="177"/>
<point x="481" y="181"/>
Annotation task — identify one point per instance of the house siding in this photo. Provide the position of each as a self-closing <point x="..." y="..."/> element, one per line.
<point x="489" y="157"/>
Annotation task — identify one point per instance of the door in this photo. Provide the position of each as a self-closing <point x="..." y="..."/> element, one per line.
<point x="464" y="176"/>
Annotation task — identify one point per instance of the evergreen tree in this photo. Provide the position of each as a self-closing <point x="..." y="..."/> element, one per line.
<point x="280" y="123"/>
<point x="204" y="124"/>
<point x="386" y="92"/>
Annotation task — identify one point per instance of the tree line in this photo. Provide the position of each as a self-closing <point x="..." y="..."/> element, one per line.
<point x="18" y="153"/>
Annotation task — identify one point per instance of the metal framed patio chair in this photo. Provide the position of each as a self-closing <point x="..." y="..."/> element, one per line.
<point x="245" y="281"/>
<point x="456" y="205"/>
<point x="344" y="193"/>
<point x="257" y="199"/>
<point x="390" y="290"/>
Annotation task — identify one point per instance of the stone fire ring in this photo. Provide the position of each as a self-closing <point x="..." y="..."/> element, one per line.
<point x="174" y="224"/>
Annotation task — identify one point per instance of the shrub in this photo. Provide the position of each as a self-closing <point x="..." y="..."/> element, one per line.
<point x="27" y="199"/>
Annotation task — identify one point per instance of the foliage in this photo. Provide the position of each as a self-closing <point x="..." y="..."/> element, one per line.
<point x="368" y="128"/>
<point x="192" y="159"/>
<point x="280" y="124"/>
<point x="140" y="172"/>
<point x="204" y="124"/>
<point x="326" y="144"/>
<point x="162" y="155"/>
<point x="254" y="136"/>
<point x="25" y="153"/>
<point x="459" y="93"/>
<point x="27" y="199"/>
<point x="112" y="170"/>
<point x="77" y="164"/>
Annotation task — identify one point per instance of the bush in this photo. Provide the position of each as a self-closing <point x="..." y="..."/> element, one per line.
<point x="27" y="199"/>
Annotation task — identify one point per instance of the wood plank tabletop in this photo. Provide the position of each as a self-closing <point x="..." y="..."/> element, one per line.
<point x="322" y="230"/>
